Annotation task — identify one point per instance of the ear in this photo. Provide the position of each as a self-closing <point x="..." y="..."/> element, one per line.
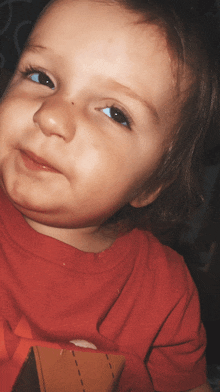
<point x="142" y="200"/>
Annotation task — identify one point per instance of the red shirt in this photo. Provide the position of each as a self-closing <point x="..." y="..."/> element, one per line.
<point x="135" y="299"/>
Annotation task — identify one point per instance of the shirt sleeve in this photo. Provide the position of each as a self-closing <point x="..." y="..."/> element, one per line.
<point x="177" y="360"/>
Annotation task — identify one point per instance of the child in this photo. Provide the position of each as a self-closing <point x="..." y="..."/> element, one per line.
<point x="101" y="129"/>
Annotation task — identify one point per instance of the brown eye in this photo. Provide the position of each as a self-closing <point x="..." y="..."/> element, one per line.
<point x="42" y="78"/>
<point x="117" y="115"/>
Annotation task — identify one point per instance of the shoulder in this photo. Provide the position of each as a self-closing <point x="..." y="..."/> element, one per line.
<point x="163" y="269"/>
<point x="170" y="312"/>
<point x="160" y="259"/>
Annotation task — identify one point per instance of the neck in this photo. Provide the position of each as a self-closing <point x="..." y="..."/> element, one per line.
<point x="90" y="239"/>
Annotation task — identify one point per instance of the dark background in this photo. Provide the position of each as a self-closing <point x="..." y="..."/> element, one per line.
<point x="17" y="18"/>
<point x="200" y="245"/>
<point x="16" y="21"/>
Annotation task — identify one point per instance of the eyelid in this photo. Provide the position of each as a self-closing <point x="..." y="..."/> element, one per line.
<point x="29" y="69"/>
<point x="127" y="118"/>
<point x="114" y="103"/>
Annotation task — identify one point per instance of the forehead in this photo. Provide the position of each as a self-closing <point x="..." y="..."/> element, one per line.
<point x="95" y="21"/>
<point x="110" y="42"/>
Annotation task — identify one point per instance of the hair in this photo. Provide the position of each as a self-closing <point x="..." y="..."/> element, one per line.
<point x="193" y="40"/>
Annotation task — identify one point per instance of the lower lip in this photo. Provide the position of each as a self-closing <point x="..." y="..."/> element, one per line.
<point x="33" y="165"/>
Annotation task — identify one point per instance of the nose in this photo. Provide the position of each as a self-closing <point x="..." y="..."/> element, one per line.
<point x="55" y="117"/>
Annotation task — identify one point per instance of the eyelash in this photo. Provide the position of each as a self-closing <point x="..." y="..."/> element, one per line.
<point x="30" y="70"/>
<point x="127" y="118"/>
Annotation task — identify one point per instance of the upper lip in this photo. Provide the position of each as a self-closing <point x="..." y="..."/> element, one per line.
<point x="39" y="160"/>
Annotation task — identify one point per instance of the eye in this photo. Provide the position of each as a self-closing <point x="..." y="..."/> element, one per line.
<point x="41" y="78"/>
<point x="37" y="76"/>
<point x="117" y="115"/>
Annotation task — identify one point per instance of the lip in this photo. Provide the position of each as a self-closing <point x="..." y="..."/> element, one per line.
<point x="36" y="163"/>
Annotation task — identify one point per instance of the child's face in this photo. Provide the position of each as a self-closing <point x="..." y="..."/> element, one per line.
<point x="87" y="114"/>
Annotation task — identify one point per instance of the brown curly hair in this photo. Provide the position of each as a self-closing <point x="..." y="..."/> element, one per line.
<point x="192" y="40"/>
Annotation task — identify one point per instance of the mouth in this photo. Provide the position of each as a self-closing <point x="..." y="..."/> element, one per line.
<point x="33" y="162"/>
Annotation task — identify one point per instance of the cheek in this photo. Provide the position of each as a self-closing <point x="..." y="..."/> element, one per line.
<point x="90" y="163"/>
<point x="16" y="106"/>
<point x="7" y="124"/>
<point x="9" y="114"/>
<point x="107" y="174"/>
<point x="99" y="170"/>
<point x="15" y="117"/>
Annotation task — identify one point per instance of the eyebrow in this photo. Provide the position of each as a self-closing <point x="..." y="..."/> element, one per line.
<point x="31" y="47"/>
<point x="137" y="97"/>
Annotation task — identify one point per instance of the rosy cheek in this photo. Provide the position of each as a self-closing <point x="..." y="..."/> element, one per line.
<point x="90" y="162"/>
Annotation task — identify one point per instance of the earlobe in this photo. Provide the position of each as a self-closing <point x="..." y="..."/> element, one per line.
<point x="142" y="200"/>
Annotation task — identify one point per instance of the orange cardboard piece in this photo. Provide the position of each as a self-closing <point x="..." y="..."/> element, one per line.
<point x="78" y="371"/>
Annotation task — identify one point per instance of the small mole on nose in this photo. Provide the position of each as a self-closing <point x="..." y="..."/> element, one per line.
<point x="72" y="103"/>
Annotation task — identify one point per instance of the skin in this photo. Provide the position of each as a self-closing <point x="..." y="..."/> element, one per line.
<point x="203" y="388"/>
<point x="101" y="58"/>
